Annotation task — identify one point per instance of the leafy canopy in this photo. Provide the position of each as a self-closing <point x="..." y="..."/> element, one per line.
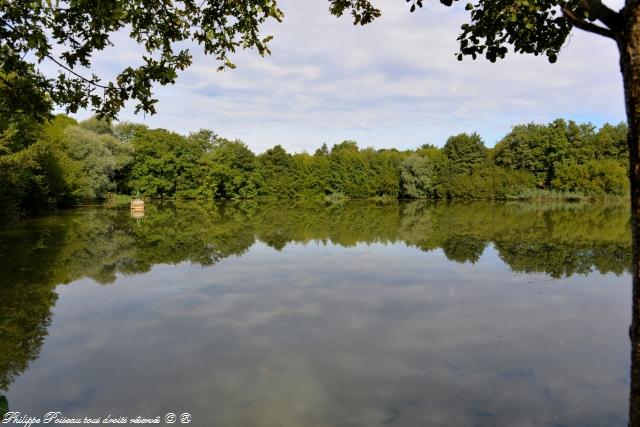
<point x="68" y="33"/>
<point x="538" y="27"/>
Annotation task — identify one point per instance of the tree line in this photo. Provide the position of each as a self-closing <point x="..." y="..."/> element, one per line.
<point x="62" y="161"/>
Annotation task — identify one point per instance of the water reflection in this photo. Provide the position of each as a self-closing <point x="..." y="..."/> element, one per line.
<point x="559" y="241"/>
<point x="346" y="324"/>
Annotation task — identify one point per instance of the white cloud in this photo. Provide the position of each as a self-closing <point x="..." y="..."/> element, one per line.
<point x="392" y="83"/>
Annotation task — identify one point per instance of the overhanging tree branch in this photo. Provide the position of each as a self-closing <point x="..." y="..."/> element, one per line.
<point x="599" y="11"/>
<point x="91" y="82"/>
<point x="587" y="26"/>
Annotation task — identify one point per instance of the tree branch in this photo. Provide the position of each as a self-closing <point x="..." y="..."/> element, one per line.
<point x="91" y="82"/>
<point x="599" y="11"/>
<point x="587" y="26"/>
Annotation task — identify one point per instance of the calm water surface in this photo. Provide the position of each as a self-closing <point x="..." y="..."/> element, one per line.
<point x="358" y="314"/>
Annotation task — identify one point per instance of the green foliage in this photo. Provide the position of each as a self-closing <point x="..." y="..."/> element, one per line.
<point x="80" y="29"/>
<point x="94" y="160"/>
<point x="488" y="182"/>
<point x="161" y="161"/>
<point x="225" y="170"/>
<point x="496" y="26"/>
<point x="533" y="148"/>
<point x="460" y="248"/>
<point x="32" y="29"/>
<point x="274" y="175"/>
<point x="44" y="165"/>
<point x="594" y="177"/>
<point x="322" y="151"/>
<point x="94" y="124"/>
<point x="419" y="175"/>
<point x="63" y="162"/>
<point x="542" y="149"/>
<point x="102" y="242"/>
<point x="364" y="173"/>
<point x="31" y="174"/>
<point x="464" y="152"/>
<point x="20" y="157"/>
<point x="25" y="315"/>
<point x="611" y="142"/>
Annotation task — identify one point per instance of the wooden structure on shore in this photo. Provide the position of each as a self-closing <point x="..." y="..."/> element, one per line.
<point x="137" y="208"/>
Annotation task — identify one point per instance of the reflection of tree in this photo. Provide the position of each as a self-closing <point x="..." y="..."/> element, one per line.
<point x="563" y="259"/>
<point x="200" y="233"/>
<point x="25" y="315"/>
<point x="99" y="244"/>
<point x="463" y="248"/>
<point x="40" y="253"/>
<point x="4" y="406"/>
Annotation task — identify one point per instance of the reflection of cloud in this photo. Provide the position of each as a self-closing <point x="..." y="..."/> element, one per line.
<point x="393" y="83"/>
<point x="370" y="335"/>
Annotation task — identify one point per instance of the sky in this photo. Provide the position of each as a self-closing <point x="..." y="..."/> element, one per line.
<point x="393" y="83"/>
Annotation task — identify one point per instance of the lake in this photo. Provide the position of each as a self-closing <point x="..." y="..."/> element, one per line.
<point x="313" y="314"/>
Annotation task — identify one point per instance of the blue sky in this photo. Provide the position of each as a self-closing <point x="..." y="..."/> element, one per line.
<point x="393" y="83"/>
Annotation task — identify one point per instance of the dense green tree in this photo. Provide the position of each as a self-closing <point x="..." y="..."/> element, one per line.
<point x="225" y="169"/>
<point x="92" y="165"/>
<point x="418" y="177"/>
<point x="384" y="167"/>
<point x="96" y="125"/>
<point x="21" y="152"/>
<point x="96" y="160"/>
<point x="188" y="152"/>
<point x="346" y="170"/>
<point x="274" y="175"/>
<point x="126" y="131"/>
<point x="581" y="140"/>
<point x="464" y="151"/>
<point x="312" y="173"/>
<point x="363" y="173"/>
<point x="165" y="163"/>
<point x="592" y="177"/>
<point x="488" y="182"/>
<point x="154" y="170"/>
<point x="611" y="142"/>
<point x="322" y="151"/>
<point x="534" y="148"/>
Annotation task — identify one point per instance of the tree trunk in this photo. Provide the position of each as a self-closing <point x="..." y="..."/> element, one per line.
<point x="629" y="46"/>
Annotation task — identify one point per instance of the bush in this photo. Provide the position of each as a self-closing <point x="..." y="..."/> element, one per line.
<point x="489" y="182"/>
